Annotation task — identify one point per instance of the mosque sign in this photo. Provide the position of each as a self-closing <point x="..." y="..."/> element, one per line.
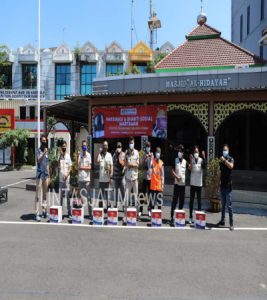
<point x="198" y="83"/>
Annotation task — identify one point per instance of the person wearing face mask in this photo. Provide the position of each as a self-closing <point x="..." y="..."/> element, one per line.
<point x="196" y="167"/>
<point x="42" y="178"/>
<point x="64" y="165"/>
<point x="84" y="168"/>
<point x="131" y="175"/>
<point x="179" y="174"/>
<point x="157" y="181"/>
<point x="146" y="165"/>
<point x="105" y="162"/>
<point x="226" y="167"/>
<point x="118" y="173"/>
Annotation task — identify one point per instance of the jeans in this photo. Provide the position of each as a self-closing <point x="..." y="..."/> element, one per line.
<point x="178" y="193"/>
<point x="194" y="190"/>
<point x="226" y="198"/>
<point x="103" y="193"/>
<point x="64" y="192"/>
<point x="84" y="190"/>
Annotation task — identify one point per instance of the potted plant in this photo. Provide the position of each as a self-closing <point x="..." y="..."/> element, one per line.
<point x="212" y="184"/>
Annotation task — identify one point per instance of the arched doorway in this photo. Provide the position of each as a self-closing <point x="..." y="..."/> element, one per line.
<point x="186" y="129"/>
<point x="245" y="132"/>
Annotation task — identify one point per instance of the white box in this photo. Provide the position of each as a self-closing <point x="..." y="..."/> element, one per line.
<point x="113" y="216"/>
<point x="131" y="216"/>
<point x="55" y="214"/>
<point x="77" y="215"/>
<point x="156" y="218"/>
<point x="179" y="218"/>
<point x="98" y="216"/>
<point x="200" y="219"/>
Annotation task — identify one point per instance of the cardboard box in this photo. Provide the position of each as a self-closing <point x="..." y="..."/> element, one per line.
<point x="200" y="219"/>
<point x="131" y="216"/>
<point x="77" y="215"/>
<point x="156" y="218"/>
<point x="113" y="216"/>
<point x="179" y="218"/>
<point x="98" y="216"/>
<point x="55" y="214"/>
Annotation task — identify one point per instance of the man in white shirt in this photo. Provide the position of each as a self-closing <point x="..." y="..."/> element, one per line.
<point x="131" y="175"/>
<point x="64" y="164"/>
<point x="84" y="167"/>
<point x="105" y="162"/>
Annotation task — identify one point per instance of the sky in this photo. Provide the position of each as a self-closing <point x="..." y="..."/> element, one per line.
<point x="102" y="21"/>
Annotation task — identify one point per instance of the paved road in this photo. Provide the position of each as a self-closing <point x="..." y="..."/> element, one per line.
<point x="59" y="262"/>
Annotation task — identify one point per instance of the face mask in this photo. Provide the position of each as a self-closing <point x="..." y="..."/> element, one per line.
<point x="131" y="146"/>
<point x="196" y="155"/>
<point x="119" y="150"/>
<point x="180" y="154"/>
<point x="157" y="155"/>
<point x="147" y="149"/>
<point x="105" y="149"/>
<point x="44" y="144"/>
<point x="225" y="153"/>
<point x="64" y="149"/>
<point x="84" y="148"/>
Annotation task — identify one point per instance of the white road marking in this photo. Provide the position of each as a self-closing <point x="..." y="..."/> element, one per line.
<point x="15" y="183"/>
<point x="130" y="227"/>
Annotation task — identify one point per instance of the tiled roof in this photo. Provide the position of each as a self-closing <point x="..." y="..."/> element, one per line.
<point x="204" y="47"/>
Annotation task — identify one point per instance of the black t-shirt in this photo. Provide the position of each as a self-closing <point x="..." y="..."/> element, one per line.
<point x="226" y="173"/>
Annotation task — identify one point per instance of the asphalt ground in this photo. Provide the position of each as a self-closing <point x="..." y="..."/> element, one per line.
<point x="51" y="261"/>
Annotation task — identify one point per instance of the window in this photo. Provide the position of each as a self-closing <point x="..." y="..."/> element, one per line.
<point x="22" y="112"/>
<point x="41" y="114"/>
<point x="29" y="76"/>
<point x="88" y="73"/>
<point x="142" y="67"/>
<point x="248" y="19"/>
<point x="241" y="28"/>
<point x="262" y="9"/>
<point x="62" y="80"/>
<point x="114" y="69"/>
<point x="32" y="112"/>
<point x="6" y="77"/>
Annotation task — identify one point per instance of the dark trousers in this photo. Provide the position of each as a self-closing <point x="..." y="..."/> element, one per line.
<point x="194" y="190"/>
<point x="178" y="194"/>
<point x="146" y="193"/>
<point x="118" y="192"/>
<point x="103" y="193"/>
<point x="226" y="198"/>
<point x="155" y="198"/>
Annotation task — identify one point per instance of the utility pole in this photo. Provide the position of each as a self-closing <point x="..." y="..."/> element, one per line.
<point x="39" y="76"/>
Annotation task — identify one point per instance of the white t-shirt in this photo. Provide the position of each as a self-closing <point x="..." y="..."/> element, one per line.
<point x="105" y="163"/>
<point x="64" y="166"/>
<point x="84" y="161"/>
<point x="131" y="173"/>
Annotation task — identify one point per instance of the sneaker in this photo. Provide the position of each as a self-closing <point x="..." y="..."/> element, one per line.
<point x="44" y="215"/>
<point x="191" y="221"/>
<point x="221" y="223"/>
<point x="140" y="214"/>
<point x="38" y="218"/>
<point x="232" y="228"/>
<point x="149" y="213"/>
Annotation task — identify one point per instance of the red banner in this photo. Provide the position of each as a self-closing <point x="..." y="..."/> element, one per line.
<point x="125" y="121"/>
<point x="7" y="119"/>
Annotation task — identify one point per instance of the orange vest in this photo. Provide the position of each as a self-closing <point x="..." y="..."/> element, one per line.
<point x="156" y="178"/>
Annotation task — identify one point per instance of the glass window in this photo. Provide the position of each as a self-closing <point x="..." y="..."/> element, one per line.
<point x="114" y="69"/>
<point x="63" y="78"/>
<point x="142" y="67"/>
<point x="241" y="28"/>
<point x="248" y="19"/>
<point x="32" y="112"/>
<point x="29" y="76"/>
<point x="22" y="112"/>
<point x="6" y="77"/>
<point x="88" y="74"/>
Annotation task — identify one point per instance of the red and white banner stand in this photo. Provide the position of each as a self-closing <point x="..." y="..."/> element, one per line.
<point x="131" y="216"/>
<point x="77" y="215"/>
<point x="200" y="220"/>
<point x="156" y="218"/>
<point x="55" y="214"/>
<point x="179" y="220"/>
<point x="98" y="216"/>
<point x="113" y="216"/>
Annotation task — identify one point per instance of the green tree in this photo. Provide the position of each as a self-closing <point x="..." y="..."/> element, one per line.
<point x="4" y="61"/>
<point x="17" y="139"/>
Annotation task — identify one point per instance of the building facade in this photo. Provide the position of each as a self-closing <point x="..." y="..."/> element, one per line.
<point x="249" y="24"/>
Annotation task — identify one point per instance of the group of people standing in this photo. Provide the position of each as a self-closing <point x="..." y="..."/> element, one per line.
<point x="123" y="168"/>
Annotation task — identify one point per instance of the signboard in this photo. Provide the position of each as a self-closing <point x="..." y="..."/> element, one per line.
<point x="21" y="94"/>
<point x="7" y="119"/>
<point x="125" y="121"/>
